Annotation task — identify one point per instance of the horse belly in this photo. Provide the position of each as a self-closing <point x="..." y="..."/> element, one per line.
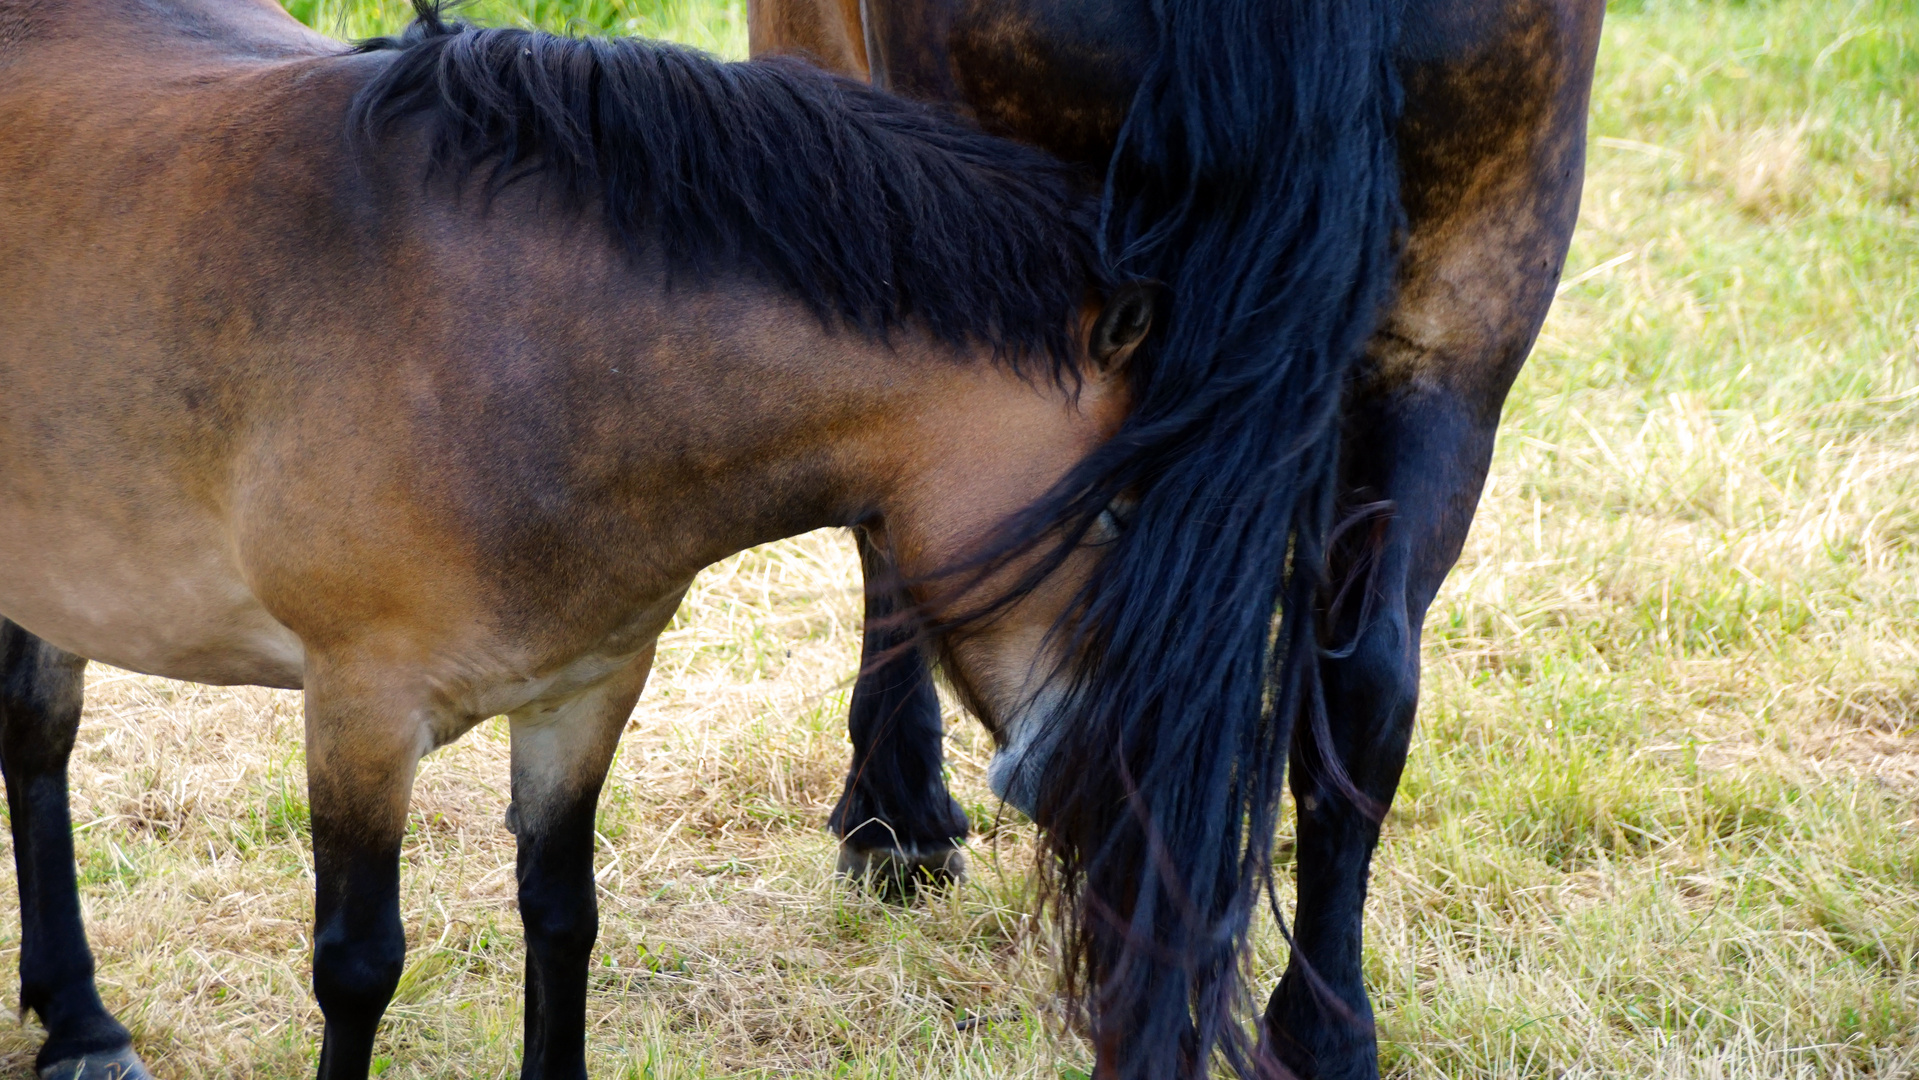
<point x="155" y="605"/>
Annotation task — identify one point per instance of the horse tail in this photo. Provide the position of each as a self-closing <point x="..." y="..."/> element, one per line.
<point x="1256" y="179"/>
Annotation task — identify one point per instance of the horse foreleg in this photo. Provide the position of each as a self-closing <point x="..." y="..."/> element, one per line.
<point x="363" y="745"/>
<point x="560" y="760"/>
<point x="1427" y="453"/>
<point x="897" y="824"/>
<point x="40" y="696"/>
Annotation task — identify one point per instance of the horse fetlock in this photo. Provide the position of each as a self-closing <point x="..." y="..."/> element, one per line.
<point x="933" y="820"/>
<point x="77" y="1023"/>
<point x="58" y="986"/>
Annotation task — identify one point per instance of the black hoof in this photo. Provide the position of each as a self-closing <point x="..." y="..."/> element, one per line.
<point x="898" y="875"/>
<point x="122" y="1064"/>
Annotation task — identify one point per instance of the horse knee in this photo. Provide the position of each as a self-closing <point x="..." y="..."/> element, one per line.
<point x="560" y="919"/>
<point x="357" y="967"/>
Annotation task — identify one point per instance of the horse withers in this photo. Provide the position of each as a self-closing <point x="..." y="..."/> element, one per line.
<point x="425" y="376"/>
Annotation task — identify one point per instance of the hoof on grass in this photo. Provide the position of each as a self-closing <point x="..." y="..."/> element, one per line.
<point x="898" y="875"/>
<point x="121" y="1064"/>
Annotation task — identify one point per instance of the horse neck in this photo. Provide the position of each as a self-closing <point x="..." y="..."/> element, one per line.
<point x="753" y="420"/>
<point x="724" y="407"/>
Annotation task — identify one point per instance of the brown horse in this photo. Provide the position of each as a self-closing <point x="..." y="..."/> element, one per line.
<point x="425" y="377"/>
<point x="1490" y="148"/>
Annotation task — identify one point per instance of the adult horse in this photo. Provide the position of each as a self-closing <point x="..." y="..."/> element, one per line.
<point x="1490" y="149"/>
<point x="425" y="376"/>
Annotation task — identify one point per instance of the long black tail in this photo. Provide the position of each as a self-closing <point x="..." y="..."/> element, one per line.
<point x="1256" y="178"/>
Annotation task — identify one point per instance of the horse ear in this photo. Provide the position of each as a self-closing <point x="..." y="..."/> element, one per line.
<point x="1124" y="321"/>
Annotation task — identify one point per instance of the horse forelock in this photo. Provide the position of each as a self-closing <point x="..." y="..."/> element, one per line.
<point x="875" y="211"/>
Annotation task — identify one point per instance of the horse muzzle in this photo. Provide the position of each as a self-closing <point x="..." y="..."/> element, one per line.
<point x="1024" y="759"/>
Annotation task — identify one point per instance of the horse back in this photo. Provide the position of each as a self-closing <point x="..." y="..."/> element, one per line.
<point x="160" y="29"/>
<point x="1490" y="145"/>
<point x="178" y="212"/>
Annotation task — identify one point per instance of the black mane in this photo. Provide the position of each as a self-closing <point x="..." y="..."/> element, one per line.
<point x="871" y="209"/>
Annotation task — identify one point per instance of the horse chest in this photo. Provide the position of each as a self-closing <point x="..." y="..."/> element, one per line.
<point x="560" y="678"/>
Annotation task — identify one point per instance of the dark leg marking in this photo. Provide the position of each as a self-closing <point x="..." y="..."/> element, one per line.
<point x="561" y="917"/>
<point x="361" y="755"/>
<point x="898" y="825"/>
<point x="359" y="945"/>
<point x="40" y="698"/>
<point x="560" y="760"/>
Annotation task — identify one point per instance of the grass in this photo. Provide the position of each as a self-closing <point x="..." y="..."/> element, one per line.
<point x="1661" y="818"/>
<point x="718" y="26"/>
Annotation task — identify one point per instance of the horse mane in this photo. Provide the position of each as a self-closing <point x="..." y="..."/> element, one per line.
<point x="871" y="209"/>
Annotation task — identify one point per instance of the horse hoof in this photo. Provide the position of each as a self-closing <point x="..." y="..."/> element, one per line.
<point x="899" y="874"/>
<point x="121" y="1064"/>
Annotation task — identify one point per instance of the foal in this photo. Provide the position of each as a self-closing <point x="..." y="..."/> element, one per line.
<point x="426" y="377"/>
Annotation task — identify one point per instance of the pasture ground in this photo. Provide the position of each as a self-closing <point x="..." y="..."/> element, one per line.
<point x="1662" y="815"/>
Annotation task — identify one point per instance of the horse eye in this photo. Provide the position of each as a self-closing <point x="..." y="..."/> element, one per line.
<point x="1106" y="528"/>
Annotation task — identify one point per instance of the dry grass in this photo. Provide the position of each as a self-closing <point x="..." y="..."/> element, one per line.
<point x="1662" y="818"/>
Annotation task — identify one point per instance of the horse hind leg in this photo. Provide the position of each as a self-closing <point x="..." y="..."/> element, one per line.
<point x="898" y="826"/>
<point x="40" y="698"/>
<point x="1427" y="453"/>
<point x="1492" y="152"/>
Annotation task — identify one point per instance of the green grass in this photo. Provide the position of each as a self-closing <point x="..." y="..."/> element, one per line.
<point x="1661" y="817"/>
<point x="718" y="26"/>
